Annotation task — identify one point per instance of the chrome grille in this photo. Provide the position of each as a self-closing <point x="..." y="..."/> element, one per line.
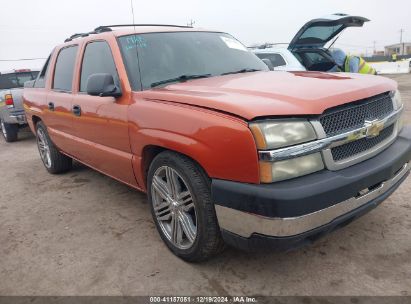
<point x="359" y="146"/>
<point x="353" y="115"/>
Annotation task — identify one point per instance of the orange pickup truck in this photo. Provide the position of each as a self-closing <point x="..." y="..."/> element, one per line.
<point x="227" y="151"/>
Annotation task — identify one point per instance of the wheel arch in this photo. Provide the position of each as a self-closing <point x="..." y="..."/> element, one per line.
<point x="148" y="154"/>
<point x="35" y="119"/>
<point x="32" y="121"/>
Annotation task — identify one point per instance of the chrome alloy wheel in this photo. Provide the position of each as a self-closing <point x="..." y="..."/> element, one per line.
<point x="3" y="128"/>
<point x="44" y="148"/>
<point x="174" y="207"/>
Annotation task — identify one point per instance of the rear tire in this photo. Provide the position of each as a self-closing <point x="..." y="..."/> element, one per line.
<point x="9" y="131"/>
<point x="54" y="161"/>
<point x="181" y="194"/>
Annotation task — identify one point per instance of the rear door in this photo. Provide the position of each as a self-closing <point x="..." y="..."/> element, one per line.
<point x="100" y="123"/>
<point x="59" y="117"/>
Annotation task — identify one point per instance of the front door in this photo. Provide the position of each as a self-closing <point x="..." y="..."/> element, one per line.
<point x="100" y="123"/>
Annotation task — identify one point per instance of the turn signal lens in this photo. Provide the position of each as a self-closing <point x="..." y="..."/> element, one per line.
<point x="266" y="173"/>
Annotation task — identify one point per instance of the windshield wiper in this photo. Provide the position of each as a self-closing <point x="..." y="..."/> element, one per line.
<point x="242" y="71"/>
<point x="179" y="79"/>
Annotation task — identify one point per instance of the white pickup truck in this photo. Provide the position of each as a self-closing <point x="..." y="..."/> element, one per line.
<point x="12" y="116"/>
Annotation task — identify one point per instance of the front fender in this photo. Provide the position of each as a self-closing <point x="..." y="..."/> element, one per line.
<point x="223" y="145"/>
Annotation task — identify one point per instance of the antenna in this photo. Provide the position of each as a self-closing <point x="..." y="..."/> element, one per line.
<point x="191" y="23"/>
<point x="132" y="13"/>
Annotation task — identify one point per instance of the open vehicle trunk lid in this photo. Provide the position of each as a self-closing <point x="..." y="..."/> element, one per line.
<point x="317" y="32"/>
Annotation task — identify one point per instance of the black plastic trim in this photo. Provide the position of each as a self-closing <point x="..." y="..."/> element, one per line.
<point x="259" y="242"/>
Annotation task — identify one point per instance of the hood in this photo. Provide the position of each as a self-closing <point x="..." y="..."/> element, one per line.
<point x="273" y="93"/>
<point x="316" y="33"/>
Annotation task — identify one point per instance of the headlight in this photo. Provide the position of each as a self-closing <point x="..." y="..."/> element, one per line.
<point x="396" y="97"/>
<point x="277" y="134"/>
<point x="290" y="168"/>
<point x="274" y="134"/>
<point x="400" y="122"/>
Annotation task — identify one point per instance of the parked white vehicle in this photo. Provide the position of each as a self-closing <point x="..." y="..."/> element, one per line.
<point x="307" y="50"/>
<point x="281" y="58"/>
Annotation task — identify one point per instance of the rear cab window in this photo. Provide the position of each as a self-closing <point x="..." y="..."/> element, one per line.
<point x="16" y="80"/>
<point x="64" y="69"/>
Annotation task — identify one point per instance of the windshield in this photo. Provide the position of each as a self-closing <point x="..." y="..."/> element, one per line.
<point x="15" y="80"/>
<point x="164" y="56"/>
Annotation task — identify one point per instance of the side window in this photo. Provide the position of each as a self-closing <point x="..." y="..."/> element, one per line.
<point x="42" y="76"/>
<point x="276" y="59"/>
<point x="64" y="70"/>
<point x="97" y="59"/>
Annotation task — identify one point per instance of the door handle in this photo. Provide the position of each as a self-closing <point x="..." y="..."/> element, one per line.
<point x="76" y="110"/>
<point x="51" y="106"/>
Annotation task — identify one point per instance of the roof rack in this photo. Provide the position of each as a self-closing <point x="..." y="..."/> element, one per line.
<point x="266" y="45"/>
<point x="107" y="28"/>
<point x="78" y="35"/>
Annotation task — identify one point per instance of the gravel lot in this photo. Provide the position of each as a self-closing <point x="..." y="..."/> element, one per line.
<point x="83" y="233"/>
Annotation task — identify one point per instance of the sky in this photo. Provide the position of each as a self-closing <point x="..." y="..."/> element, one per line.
<point x="31" y="28"/>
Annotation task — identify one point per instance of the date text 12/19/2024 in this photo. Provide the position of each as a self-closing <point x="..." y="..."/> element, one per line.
<point x="203" y="299"/>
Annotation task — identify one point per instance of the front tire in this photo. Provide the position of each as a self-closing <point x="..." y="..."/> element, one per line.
<point x="182" y="209"/>
<point x="9" y="131"/>
<point x="54" y="161"/>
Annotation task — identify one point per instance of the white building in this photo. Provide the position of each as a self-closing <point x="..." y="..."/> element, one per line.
<point x="398" y="48"/>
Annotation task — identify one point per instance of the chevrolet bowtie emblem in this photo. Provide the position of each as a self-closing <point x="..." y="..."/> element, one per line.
<point x="373" y="128"/>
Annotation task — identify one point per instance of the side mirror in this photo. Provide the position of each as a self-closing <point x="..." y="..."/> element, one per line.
<point x="102" y="84"/>
<point x="268" y="63"/>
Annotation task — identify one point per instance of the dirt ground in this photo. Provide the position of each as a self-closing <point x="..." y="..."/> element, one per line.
<point x="83" y="233"/>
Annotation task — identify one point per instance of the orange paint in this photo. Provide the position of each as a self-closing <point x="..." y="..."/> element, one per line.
<point x="205" y="119"/>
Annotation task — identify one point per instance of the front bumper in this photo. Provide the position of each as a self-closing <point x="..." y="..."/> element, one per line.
<point x="292" y="212"/>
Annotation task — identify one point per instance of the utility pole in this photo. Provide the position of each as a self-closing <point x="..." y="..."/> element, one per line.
<point x="401" y="43"/>
<point x="375" y="49"/>
<point x="191" y="23"/>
